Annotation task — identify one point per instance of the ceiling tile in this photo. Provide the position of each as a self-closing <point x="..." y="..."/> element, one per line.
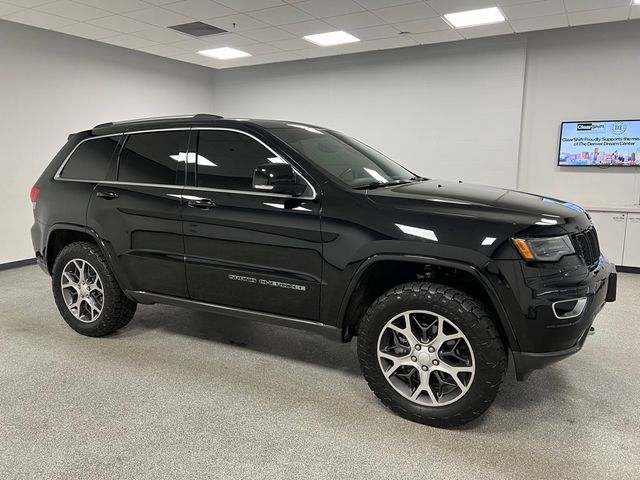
<point x="355" y="20"/>
<point x="373" y="33"/>
<point x="404" y="13"/>
<point x="38" y="19"/>
<point x="159" y="17"/>
<point x="87" y="30"/>
<point x="598" y="16"/>
<point x="374" y="4"/>
<point x="120" y="24"/>
<point x="380" y="44"/>
<point x="316" y="52"/>
<point x="161" y="35"/>
<point x="236" y="23"/>
<point x="277" y="57"/>
<point x="268" y="34"/>
<point x="260" y="48"/>
<point x="199" y="9"/>
<point x="423" y="25"/>
<point x="191" y="45"/>
<point x="291" y="44"/>
<point x="161" y="50"/>
<point x="74" y="11"/>
<point x="250" y="5"/>
<point x="159" y="2"/>
<point x="6" y="9"/>
<point x="437" y="37"/>
<point x="308" y="28"/>
<point x="534" y="9"/>
<point x="635" y="11"/>
<point x="227" y="40"/>
<point x="128" y="41"/>
<point x="281" y="15"/>
<point x="27" y="3"/>
<point x="578" y="5"/>
<point x="486" y="30"/>
<point x="329" y="8"/>
<point x="116" y="6"/>
<point x="502" y="3"/>
<point x="450" y="6"/>
<point x="540" y="23"/>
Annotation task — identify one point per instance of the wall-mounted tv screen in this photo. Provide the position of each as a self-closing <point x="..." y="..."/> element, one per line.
<point x="600" y="143"/>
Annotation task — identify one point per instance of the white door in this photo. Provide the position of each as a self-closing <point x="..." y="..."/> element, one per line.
<point x="632" y="242"/>
<point x="611" y="228"/>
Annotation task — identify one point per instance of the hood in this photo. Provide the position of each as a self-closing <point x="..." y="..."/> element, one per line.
<point x="461" y="199"/>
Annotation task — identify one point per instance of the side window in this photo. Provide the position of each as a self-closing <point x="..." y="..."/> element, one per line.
<point x="227" y="160"/>
<point x="155" y="157"/>
<point x="91" y="160"/>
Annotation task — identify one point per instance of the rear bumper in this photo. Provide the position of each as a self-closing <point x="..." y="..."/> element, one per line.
<point x="570" y="333"/>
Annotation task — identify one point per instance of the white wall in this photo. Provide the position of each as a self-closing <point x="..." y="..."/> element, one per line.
<point x="53" y="84"/>
<point x="588" y="73"/>
<point x="449" y="110"/>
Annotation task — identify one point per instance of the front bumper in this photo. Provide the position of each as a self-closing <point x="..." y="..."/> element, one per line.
<point x="552" y="338"/>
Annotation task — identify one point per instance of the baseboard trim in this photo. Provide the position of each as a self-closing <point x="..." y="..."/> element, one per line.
<point x="17" y="264"/>
<point x="628" y="269"/>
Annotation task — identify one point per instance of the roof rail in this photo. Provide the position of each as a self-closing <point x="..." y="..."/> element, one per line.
<point x="203" y="116"/>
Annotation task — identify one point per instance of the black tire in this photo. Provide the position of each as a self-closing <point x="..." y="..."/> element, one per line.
<point x="117" y="309"/>
<point x="470" y="317"/>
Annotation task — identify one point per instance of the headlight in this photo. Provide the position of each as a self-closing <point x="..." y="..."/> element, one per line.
<point x="544" y="249"/>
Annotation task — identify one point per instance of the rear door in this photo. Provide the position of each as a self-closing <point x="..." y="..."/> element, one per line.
<point x="247" y="248"/>
<point x="138" y="214"/>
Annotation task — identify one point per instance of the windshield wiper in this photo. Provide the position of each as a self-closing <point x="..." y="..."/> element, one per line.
<point x="378" y="184"/>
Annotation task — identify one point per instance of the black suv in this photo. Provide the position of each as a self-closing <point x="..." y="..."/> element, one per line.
<point x="302" y="226"/>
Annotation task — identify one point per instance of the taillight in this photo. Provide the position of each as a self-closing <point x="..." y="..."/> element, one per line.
<point x="35" y="193"/>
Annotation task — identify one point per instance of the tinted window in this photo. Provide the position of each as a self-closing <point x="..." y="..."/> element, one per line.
<point x="227" y="160"/>
<point x="91" y="160"/>
<point x="345" y="158"/>
<point x="157" y="157"/>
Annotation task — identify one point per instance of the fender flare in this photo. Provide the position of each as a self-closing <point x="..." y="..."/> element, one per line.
<point x="476" y="272"/>
<point x="107" y="251"/>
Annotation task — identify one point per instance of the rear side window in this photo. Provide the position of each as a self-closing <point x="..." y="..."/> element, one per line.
<point x="226" y="160"/>
<point x="155" y="157"/>
<point x="91" y="160"/>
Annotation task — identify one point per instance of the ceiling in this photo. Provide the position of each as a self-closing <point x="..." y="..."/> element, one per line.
<point x="271" y="30"/>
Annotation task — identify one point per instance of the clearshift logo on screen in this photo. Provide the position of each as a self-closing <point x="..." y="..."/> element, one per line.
<point x="591" y="127"/>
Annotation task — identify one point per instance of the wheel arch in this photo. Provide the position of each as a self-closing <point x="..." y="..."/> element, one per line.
<point x="392" y="270"/>
<point x="63" y="234"/>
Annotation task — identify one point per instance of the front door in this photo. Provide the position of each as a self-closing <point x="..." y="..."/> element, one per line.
<point x="138" y="215"/>
<point x="246" y="248"/>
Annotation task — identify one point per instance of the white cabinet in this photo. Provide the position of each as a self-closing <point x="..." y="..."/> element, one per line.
<point x="611" y="228"/>
<point x="631" y="256"/>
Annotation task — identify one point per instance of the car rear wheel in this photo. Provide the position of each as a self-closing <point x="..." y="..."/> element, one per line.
<point x="432" y="354"/>
<point x="86" y="292"/>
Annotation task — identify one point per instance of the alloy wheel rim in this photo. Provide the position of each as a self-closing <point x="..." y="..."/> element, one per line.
<point x="426" y="358"/>
<point x="82" y="290"/>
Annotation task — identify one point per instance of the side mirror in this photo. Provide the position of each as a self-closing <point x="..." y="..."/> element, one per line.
<point x="278" y="178"/>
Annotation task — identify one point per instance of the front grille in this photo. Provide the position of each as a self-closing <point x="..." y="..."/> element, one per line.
<point x="586" y="245"/>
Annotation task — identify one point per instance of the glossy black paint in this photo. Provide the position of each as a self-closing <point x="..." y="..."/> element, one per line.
<point x="307" y="258"/>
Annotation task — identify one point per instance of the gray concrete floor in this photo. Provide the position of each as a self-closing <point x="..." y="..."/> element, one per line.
<point x="181" y="394"/>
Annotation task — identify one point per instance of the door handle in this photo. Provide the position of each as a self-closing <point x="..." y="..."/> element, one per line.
<point x="107" y="195"/>
<point x="201" y="203"/>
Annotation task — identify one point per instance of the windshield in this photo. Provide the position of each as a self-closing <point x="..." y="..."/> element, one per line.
<point x="349" y="160"/>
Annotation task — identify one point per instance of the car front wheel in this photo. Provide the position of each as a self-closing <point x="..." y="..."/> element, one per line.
<point x="432" y="354"/>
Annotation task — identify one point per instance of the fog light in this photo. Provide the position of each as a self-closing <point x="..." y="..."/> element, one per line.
<point x="565" y="309"/>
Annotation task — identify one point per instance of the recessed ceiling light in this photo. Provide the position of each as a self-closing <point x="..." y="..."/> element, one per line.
<point x="224" y="53"/>
<point x="471" y="18"/>
<point x="331" y="38"/>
